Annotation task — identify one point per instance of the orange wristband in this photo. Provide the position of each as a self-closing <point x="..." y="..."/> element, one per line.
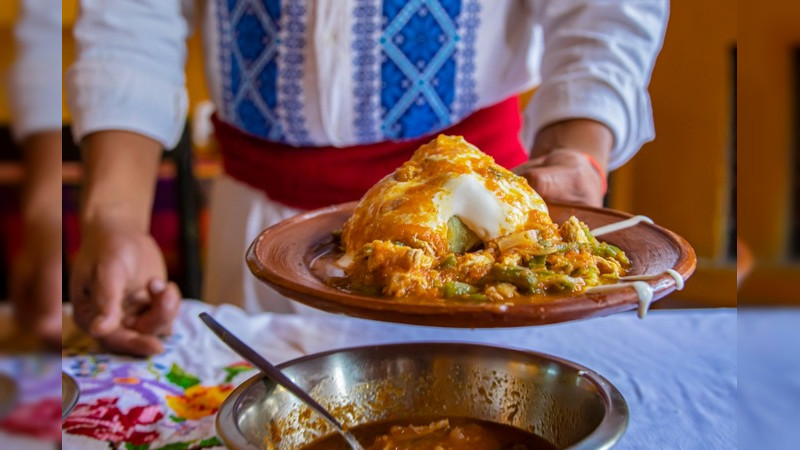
<point x="597" y="169"/>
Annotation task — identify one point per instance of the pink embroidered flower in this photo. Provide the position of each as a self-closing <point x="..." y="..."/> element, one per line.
<point x="41" y="419"/>
<point x="103" y="420"/>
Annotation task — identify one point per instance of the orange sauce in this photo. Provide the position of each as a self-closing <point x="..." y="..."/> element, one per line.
<point x="430" y="433"/>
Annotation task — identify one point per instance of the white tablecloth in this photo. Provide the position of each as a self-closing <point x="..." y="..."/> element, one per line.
<point x="676" y="369"/>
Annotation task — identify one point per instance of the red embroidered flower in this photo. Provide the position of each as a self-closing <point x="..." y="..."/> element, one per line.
<point x="102" y="420"/>
<point x="41" y="419"/>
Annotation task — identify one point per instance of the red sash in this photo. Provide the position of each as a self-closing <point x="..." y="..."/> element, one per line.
<point x="313" y="177"/>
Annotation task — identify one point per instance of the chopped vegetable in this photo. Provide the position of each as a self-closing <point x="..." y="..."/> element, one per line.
<point x="523" y="238"/>
<point x="459" y="236"/>
<point x="457" y="289"/>
<point x="520" y="277"/>
<point x="476" y="298"/>
<point x="537" y="260"/>
<point x="449" y="262"/>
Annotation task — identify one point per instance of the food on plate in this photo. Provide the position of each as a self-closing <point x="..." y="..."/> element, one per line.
<point x="451" y="434"/>
<point x="450" y="223"/>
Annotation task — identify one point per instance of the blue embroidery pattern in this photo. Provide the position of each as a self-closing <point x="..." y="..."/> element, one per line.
<point x="262" y="92"/>
<point x="291" y="75"/>
<point x="418" y="65"/>
<point x="365" y="73"/>
<point x="465" y="83"/>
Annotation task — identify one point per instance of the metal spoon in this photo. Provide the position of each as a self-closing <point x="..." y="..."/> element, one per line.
<point x="277" y="376"/>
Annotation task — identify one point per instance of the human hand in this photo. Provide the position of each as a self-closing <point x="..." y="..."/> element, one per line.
<point x="565" y="175"/>
<point x="35" y="278"/>
<point x="569" y="161"/>
<point x="36" y="284"/>
<point x="118" y="290"/>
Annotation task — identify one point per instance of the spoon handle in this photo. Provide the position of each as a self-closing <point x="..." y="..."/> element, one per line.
<point x="272" y="372"/>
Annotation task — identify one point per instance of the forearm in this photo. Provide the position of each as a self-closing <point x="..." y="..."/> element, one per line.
<point x="587" y="136"/>
<point x="41" y="200"/>
<point x="596" y="65"/>
<point x="120" y="174"/>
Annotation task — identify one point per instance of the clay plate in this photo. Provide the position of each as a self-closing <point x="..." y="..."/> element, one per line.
<point x="281" y="256"/>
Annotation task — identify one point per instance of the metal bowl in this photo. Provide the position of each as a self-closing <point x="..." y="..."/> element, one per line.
<point x="8" y="394"/>
<point x="69" y="394"/>
<point x="563" y="402"/>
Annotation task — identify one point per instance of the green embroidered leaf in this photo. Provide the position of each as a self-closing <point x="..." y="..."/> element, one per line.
<point x="210" y="442"/>
<point x="175" y="446"/>
<point x="235" y="370"/>
<point x="179" y="377"/>
<point x="177" y="419"/>
<point x="129" y="446"/>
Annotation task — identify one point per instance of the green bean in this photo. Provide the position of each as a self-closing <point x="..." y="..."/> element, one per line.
<point x="518" y="276"/>
<point x="457" y="289"/>
<point x="449" y="262"/>
<point x="472" y="298"/>
<point x="538" y="260"/>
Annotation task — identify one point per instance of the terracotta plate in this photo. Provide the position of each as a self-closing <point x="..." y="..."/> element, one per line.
<point x="281" y="256"/>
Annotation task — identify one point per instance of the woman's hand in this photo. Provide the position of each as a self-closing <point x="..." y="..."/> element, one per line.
<point x="569" y="162"/>
<point x="36" y="284"/>
<point x="118" y="286"/>
<point x="564" y="175"/>
<point x="36" y="272"/>
<point x="118" y="290"/>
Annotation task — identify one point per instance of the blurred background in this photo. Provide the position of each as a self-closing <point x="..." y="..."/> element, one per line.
<point x="686" y="180"/>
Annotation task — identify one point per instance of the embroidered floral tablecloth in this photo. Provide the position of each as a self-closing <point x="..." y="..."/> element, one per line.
<point x="676" y="369"/>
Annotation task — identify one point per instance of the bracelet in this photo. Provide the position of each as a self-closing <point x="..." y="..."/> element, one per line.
<point x="597" y="169"/>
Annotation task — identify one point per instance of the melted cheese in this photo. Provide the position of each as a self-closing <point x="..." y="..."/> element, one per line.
<point x="446" y="177"/>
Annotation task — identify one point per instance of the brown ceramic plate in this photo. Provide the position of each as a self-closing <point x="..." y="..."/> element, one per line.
<point x="281" y="256"/>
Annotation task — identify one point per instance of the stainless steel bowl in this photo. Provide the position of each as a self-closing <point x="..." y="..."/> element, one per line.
<point x="8" y="394"/>
<point x="69" y="394"/>
<point x="563" y="402"/>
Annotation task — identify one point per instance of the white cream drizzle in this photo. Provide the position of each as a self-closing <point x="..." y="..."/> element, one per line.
<point x="621" y="225"/>
<point x="671" y="272"/>
<point x="466" y="196"/>
<point x="643" y="289"/>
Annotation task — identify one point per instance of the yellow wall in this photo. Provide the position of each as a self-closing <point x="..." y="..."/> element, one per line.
<point x="8" y="12"/>
<point x="768" y="146"/>
<point x="681" y="179"/>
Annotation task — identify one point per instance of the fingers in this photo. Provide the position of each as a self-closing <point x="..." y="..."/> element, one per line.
<point x="564" y="176"/>
<point x="130" y="342"/>
<point x="153" y="321"/>
<point x="542" y="179"/>
<point x="157" y="318"/>
<point x="106" y="294"/>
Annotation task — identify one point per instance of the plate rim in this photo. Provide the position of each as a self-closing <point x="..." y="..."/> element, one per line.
<point x="445" y="315"/>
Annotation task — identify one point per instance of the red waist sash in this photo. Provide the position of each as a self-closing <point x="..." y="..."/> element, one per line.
<point x="313" y="177"/>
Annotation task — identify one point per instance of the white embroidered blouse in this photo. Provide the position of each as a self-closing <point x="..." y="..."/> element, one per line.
<point x="347" y="72"/>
